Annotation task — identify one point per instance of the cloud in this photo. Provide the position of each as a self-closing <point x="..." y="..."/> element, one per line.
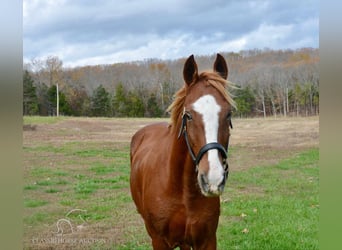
<point x="99" y="32"/>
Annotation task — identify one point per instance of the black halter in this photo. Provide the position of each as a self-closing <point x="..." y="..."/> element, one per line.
<point x="205" y="148"/>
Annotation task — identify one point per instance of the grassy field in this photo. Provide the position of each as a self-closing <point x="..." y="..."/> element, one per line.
<point x="76" y="185"/>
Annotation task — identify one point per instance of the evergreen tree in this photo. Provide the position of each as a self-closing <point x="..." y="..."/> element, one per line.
<point x="30" y="100"/>
<point x="119" y="101"/>
<point x="100" y="104"/>
<point x="52" y="98"/>
<point x="43" y="99"/>
<point x="64" y="107"/>
<point x="134" y="106"/>
<point x="245" y="101"/>
<point x="153" y="109"/>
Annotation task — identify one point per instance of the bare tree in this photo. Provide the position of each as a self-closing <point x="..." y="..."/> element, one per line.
<point x="54" y="67"/>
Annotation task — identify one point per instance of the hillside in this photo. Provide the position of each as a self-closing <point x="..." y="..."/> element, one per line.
<point x="271" y="83"/>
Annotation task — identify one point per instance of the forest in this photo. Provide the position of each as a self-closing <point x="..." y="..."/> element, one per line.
<point x="266" y="83"/>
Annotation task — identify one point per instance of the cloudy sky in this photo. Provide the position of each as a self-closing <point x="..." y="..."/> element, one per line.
<point x="88" y="32"/>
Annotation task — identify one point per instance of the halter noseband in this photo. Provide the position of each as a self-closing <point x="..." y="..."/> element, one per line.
<point x="205" y="148"/>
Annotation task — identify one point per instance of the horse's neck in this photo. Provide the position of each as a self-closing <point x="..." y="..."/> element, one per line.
<point x="183" y="182"/>
<point x="182" y="174"/>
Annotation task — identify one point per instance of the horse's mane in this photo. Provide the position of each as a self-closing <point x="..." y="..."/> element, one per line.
<point x="210" y="78"/>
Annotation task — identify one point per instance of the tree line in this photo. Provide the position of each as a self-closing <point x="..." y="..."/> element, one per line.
<point x="267" y="83"/>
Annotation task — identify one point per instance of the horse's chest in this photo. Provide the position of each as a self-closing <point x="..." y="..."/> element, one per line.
<point x="180" y="226"/>
<point x="176" y="228"/>
<point x="168" y="219"/>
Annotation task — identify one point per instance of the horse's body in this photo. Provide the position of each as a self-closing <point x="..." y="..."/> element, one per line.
<point x="167" y="198"/>
<point x="179" y="202"/>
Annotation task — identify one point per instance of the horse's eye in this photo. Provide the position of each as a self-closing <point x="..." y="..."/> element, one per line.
<point x="188" y="115"/>
<point x="229" y="119"/>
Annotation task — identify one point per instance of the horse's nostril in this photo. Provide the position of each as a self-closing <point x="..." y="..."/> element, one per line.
<point x="223" y="182"/>
<point x="204" y="179"/>
<point x="204" y="182"/>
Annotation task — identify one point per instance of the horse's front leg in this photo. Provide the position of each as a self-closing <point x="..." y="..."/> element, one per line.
<point x="208" y="244"/>
<point x="185" y="247"/>
<point x="158" y="243"/>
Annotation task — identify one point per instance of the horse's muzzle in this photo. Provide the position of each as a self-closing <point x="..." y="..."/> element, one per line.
<point x="211" y="190"/>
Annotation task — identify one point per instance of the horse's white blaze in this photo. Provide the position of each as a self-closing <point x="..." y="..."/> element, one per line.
<point x="209" y="109"/>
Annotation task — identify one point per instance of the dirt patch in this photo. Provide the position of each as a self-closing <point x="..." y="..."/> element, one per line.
<point x="281" y="132"/>
<point x="29" y="127"/>
<point x="278" y="133"/>
<point x="83" y="129"/>
<point x="267" y="141"/>
<point x="259" y="141"/>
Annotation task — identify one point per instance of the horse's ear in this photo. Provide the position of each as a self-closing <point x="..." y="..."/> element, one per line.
<point x="220" y="66"/>
<point x="190" y="71"/>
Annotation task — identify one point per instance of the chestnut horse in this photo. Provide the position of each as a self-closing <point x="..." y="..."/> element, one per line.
<point x="179" y="170"/>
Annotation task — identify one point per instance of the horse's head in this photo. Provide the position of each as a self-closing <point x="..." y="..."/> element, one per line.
<point x="206" y="121"/>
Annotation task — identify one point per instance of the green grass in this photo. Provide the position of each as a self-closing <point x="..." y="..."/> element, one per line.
<point x="51" y="182"/>
<point x="282" y="214"/>
<point x="89" y="186"/>
<point x="86" y="187"/>
<point x="76" y="150"/>
<point x="52" y="190"/>
<point x="102" y="169"/>
<point x="42" y="119"/>
<point x="69" y="203"/>
<point x="30" y="187"/>
<point x="95" y="186"/>
<point x="36" y="218"/>
<point x="34" y="203"/>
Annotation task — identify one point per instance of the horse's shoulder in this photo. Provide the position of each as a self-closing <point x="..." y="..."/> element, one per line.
<point x="151" y="132"/>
